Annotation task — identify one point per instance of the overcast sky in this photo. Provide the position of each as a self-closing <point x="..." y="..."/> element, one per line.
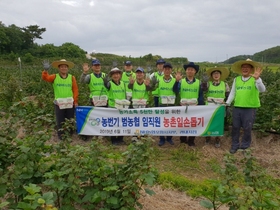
<point x="201" y="30"/>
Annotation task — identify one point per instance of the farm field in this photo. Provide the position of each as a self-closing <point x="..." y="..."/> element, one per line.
<point x="180" y="176"/>
<point x="195" y="163"/>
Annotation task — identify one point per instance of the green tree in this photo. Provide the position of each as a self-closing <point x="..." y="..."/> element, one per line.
<point x="4" y="38"/>
<point x="14" y="42"/>
<point x="46" y="51"/>
<point x="70" y="50"/>
<point x="31" y="33"/>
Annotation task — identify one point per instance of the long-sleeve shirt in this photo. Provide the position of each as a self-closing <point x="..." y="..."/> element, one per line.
<point x="177" y="86"/>
<point x="85" y="78"/>
<point x="51" y="77"/>
<point x="259" y="85"/>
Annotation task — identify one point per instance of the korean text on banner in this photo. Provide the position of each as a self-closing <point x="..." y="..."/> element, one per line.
<point x="156" y="121"/>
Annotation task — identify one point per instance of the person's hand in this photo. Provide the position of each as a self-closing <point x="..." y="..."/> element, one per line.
<point x="204" y="86"/>
<point x="178" y="76"/>
<point x="46" y="65"/>
<point x="147" y="81"/>
<point x="154" y="81"/>
<point x="257" y="73"/>
<point x="131" y="80"/>
<point x="205" y="78"/>
<point x="149" y="69"/>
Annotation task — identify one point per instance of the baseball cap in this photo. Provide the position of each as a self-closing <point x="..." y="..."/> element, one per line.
<point x="139" y="69"/>
<point x="127" y="63"/>
<point x="167" y="65"/>
<point x="95" y="62"/>
<point x="160" y="61"/>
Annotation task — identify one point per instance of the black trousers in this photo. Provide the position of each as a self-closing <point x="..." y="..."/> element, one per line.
<point x="61" y="115"/>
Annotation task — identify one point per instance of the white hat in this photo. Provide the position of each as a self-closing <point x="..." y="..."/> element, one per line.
<point x="114" y="70"/>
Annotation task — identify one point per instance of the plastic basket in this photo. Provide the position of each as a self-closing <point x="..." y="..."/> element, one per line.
<point x="191" y="102"/>
<point x="128" y="95"/>
<point x="100" y="100"/>
<point x="65" y="103"/>
<point x="139" y="103"/>
<point x="122" y="104"/>
<point x="168" y="99"/>
<point x="215" y="101"/>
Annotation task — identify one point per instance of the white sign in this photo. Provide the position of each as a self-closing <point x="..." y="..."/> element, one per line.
<point x="157" y="121"/>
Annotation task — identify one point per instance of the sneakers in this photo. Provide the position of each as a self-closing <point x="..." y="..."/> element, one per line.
<point x="217" y="142"/>
<point x="207" y="141"/>
<point x="170" y="141"/>
<point x="232" y="151"/>
<point x="117" y="140"/>
<point x="240" y="149"/>
<point x="161" y="142"/>
<point x="84" y="137"/>
<point x="191" y="144"/>
<point x="183" y="140"/>
<point x="191" y="141"/>
<point x="117" y="143"/>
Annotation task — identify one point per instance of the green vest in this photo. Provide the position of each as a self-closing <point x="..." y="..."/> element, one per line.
<point x="62" y="87"/>
<point x="139" y="91"/>
<point x="125" y="79"/>
<point x="158" y="76"/>
<point x="96" y="85"/>
<point x="218" y="91"/>
<point x="246" y="93"/>
<point x="189" y="91"/>
<point x="165" y="88"/>
<point x="116" y="92"/>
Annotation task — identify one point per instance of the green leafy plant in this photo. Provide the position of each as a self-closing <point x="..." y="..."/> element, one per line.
<point x="35" y="199"/>
<point x="243" y="185"/>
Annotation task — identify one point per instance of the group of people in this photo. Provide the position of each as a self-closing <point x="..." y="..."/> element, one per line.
<point x="136" y="87"/>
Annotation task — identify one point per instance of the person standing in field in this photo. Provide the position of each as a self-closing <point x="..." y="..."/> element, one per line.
<point x="217" y="91"/>
<point x="166" y="95"/>
<point x="65" y="92"/>
<point x="155" y="78"/>
<point x="140" y="91"/>
<point x="126" y="75"/>
<point x="116" y="91"/>
<point x="140" y="86"/>
<point x="245" y="93"/>
<point x="94" y="80"/>
<point x="190" y="93"/>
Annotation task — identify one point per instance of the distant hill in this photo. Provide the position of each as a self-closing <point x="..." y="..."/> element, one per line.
<point x="271" y="55"/>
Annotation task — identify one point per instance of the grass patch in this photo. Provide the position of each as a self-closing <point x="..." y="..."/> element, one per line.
<point x="190" y="187"/>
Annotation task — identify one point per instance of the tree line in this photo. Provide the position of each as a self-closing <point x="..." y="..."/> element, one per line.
<point x="20" y="42"/>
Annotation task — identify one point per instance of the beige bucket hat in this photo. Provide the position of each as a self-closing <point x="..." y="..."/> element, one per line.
<point x="56" y="64"/>
<point x="223" y="70"/>
<point x="236" y="67"/>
